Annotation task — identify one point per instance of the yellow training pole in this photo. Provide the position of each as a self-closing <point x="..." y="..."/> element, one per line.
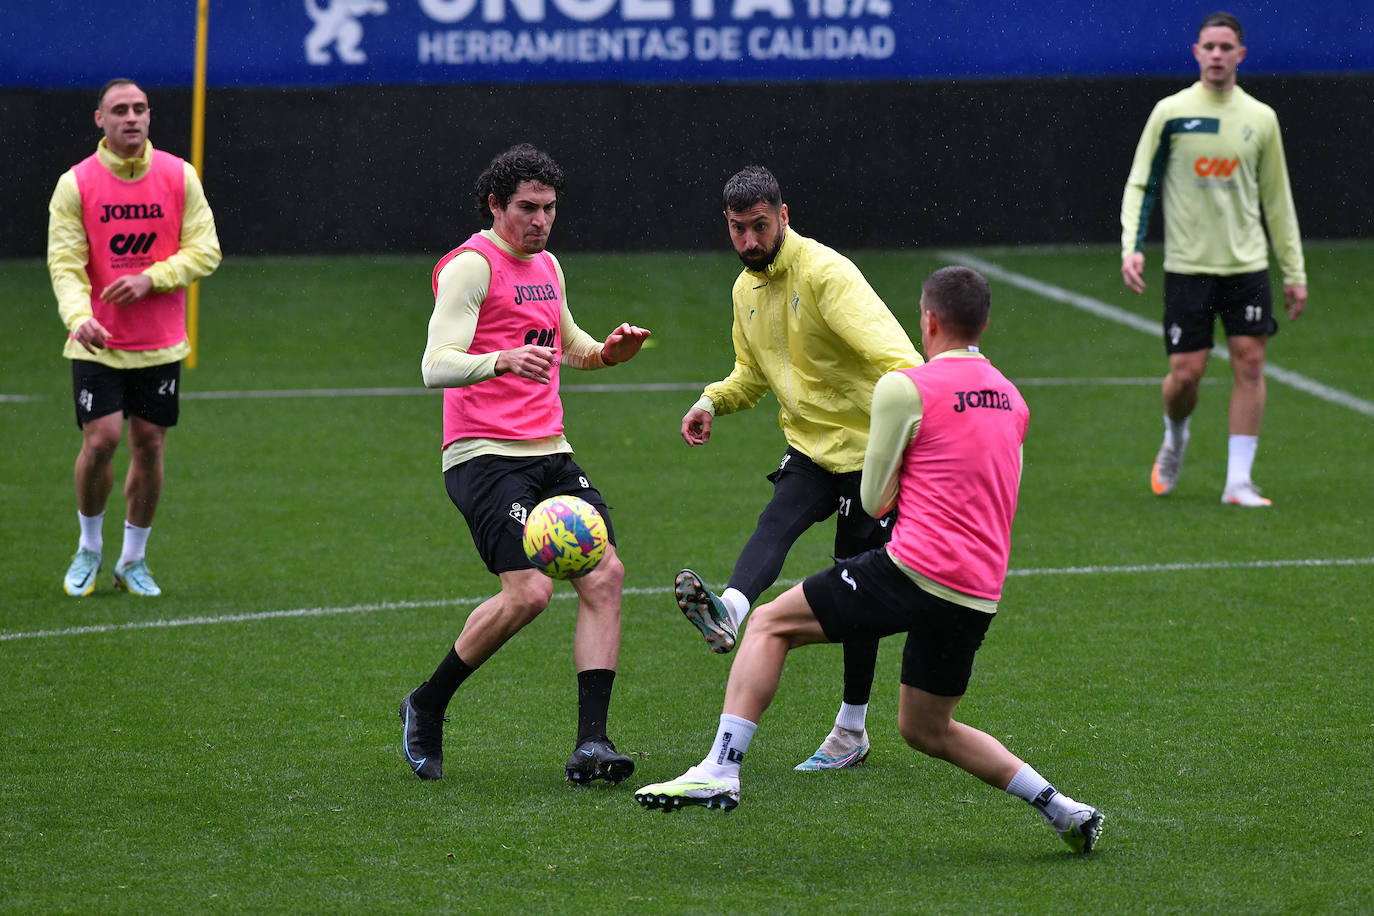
<point x="197" y="159"/>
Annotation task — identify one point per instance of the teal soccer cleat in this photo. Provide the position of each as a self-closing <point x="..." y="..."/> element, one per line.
<point x="843" y="747"/>
<point x="136" y="580"/>
<point x="80" y="578"/>
<point x="704" y="611"/>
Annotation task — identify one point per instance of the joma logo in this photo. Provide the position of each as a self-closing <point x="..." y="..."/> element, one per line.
<point x="130" y="211"/>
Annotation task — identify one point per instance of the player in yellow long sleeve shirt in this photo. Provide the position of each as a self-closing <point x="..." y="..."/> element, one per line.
<point x="809" y="328"/>
<point x="1215" y="155"/>
<point x="128" y="362"/>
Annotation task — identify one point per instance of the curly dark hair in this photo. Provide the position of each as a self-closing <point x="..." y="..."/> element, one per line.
<point x="959" y="297"/>
<point x="505" y="173"/>
<point x="751" y="185"/>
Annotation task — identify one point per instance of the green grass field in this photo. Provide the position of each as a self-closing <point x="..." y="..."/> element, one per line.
<point x="1199" y="672"/>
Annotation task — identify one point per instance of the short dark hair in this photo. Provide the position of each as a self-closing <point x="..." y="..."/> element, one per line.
<point x="751" y="185"/>
<point x="1224" y="20"/>
<point x="117" y="81"/>
<point x="505" y="173"/>
<point x="960" y="298"/>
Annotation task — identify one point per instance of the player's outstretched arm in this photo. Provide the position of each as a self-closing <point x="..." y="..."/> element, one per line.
<point x="623" y="343"/>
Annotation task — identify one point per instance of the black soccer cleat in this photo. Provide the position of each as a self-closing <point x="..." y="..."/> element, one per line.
<point x="422" y="739"/>
<point x="597" y="758"/>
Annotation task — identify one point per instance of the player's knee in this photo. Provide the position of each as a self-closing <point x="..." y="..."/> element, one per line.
<point x="924" y="735"/>
<point x="527" y="597"/>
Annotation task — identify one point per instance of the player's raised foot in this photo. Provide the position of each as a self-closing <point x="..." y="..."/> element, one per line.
<point x="135" y="579"/>
<point x="80" y="578"/>
<point x="691" y="788"/>
<point x="704" y="611"/>
<point x="597" y="758"/>
<point x="1168" y="464"/>
<point x="422" y="739"/>
<point x="1083" y="830"/>
<point x="843" y="747"/>
<point x="1245" y="494"/>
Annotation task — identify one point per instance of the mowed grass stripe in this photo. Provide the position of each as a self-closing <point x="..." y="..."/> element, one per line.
<point x="566" y="594"/>
<point x="1121" y="316"/>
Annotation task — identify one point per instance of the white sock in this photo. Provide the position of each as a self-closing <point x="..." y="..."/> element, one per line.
<point x="1240" y="458"/>
<point x="1035" y="790"/>
<point x="1176" y="432"/>
<point x="732" y="740"/>
<point x="852" y="717"/>
<point x="737" y="605"/>
<point x="92" y="531"/>
<point x="135" y="544"/>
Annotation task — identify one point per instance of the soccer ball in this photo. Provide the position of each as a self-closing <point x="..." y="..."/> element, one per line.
<point x="565" y="537"/>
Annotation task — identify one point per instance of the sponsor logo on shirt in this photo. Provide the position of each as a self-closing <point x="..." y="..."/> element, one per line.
<point x="539" y="292"/>
<point x="987" y="398"/>
<point x="130" y="211"/>
<point x="1213" y="167"/>
<point x="543" y="337"/>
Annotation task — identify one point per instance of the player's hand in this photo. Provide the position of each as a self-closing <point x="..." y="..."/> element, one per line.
<point x="623" y="343"/>
<point x="1133" y="271"/>
<point x="92" y="335"/>
<point x="1295" y="300"/>
<point x="530" y="361"/>
<point x="128" y="289"/>
<point x="696" y="427"/>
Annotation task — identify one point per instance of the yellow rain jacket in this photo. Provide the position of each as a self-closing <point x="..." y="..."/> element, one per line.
<point x="810" y="328"/>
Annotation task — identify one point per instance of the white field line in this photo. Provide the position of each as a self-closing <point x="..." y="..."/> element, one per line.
<point x="266" y="394"/>
<point x="1121" y="316"/>
<point x="568" y="594"/>
<point x="380" y="392"/>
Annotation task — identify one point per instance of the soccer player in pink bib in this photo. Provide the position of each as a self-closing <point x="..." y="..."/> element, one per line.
<point x="945" y="449"/>
<point x="500" y="331"/>
<point x="128" y="229"/>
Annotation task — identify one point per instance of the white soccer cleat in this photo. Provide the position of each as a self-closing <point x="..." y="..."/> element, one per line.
<point x="1245" y="494"/>
<point x="691" y="788"/>
<point x="1168" y="465"/>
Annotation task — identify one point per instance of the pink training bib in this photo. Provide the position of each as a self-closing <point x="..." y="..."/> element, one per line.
<point x="524" y="305"/>
<point x="130" y="225"/>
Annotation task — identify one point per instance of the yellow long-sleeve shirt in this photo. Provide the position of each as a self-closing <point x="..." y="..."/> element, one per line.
<point x="197" y="256"/>
<point x="810" y="328"/>
<point x="1215" y="158"/>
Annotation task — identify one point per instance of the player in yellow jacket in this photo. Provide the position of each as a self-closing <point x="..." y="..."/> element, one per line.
<point x="809" y="328"/>
<point x="1215" y="156"/>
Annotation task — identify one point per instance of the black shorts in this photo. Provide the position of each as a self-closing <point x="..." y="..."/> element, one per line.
<point x="869" y="597"/>
<point x="1193" y="302"/>
<point x="152" y="393"/>
<point x="495" y="495"/>
<point x="855" y="530"/>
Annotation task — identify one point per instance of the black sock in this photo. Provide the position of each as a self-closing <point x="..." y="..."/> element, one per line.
<point x="593" y="702"/>
<point x="860" y="661"/>
<point x="434" y="694"/>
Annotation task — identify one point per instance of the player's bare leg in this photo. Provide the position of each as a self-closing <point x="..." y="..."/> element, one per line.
<point x="596" y="652"/>
<point x="1180" y="393"/>
<point x="524" y="595"/>
<point x="1248" y="395"/>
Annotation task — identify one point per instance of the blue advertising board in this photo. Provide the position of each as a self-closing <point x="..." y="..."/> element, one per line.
<point x="303" y="43"/>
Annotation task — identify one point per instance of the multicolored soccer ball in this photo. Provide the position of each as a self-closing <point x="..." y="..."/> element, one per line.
<point x="565" y="537"/>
